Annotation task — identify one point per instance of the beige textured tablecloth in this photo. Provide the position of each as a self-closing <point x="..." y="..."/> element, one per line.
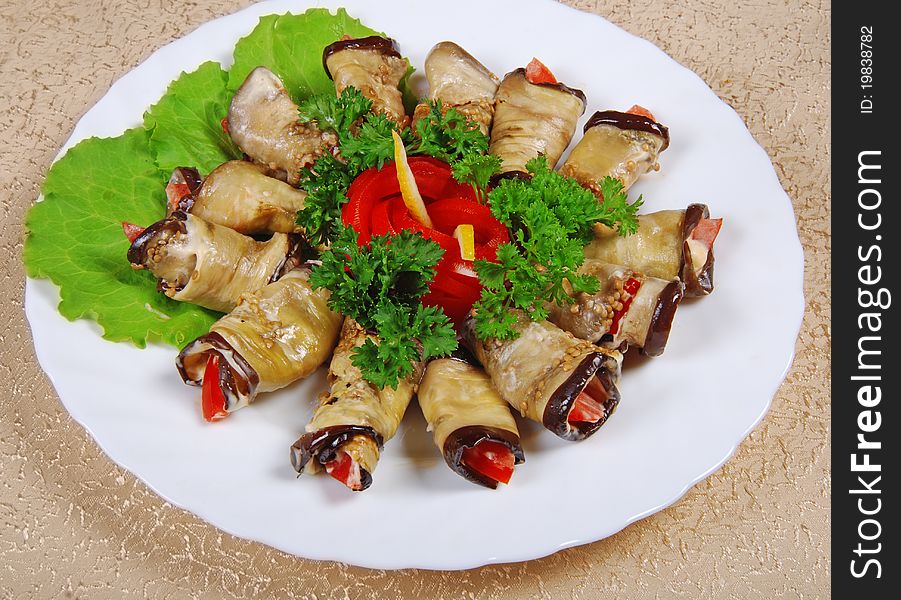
<point x="73" y="524"/>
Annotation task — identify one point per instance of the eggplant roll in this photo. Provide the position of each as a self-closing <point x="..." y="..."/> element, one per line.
<point x="628" y="309"/>
<point x="274" y="337"/>
<point x="354" y="419"/>
<point x="459" y="81"/>
<point x="532" y="119"/>
<point x="239" y="195"/>
<point x="208" y="264"/>
<point x="546" y="372"/>
<point x="621" y="145"/>
<point x="463" y="410"/>
<point x="263" y="122"/>
<point x="668" y="244"/>
<point x="374" y="66"/>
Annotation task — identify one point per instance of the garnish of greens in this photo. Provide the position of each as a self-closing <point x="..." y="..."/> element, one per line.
<point x="74" y="236"/>
<point x="365" y="141"/>
<point x="380" y="286"/>
<point x="550" y="219"/>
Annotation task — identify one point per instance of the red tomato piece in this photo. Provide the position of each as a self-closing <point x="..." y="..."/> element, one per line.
<point x="492" y="459"/>
<point x="212" y="399"/>
<point x="641" y="111"/>
<point x="340" y="468"/>
<point x="131" y="231"/>
<point x="706" y="231"/>
<point x="175" y="192"/>
<point x="536" y="72"/>
<point x="585" y="410"/>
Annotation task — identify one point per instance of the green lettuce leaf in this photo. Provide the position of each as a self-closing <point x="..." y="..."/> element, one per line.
<point x="74" y="238"/>
<point x="185" y="124"/>
<point x="291" y="46"/>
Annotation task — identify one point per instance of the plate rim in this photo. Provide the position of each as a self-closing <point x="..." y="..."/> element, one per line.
<point x="787" y="356"/>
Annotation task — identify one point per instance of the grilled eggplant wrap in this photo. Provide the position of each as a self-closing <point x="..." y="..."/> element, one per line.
<point x="238" y="194"/>
<point x="274" y="337"/>
<point x="470" y="423"/>
<point x="374" y="66"/>
<point x="208" y="264"/>
<point x="629" y="309"/>
<point x="667" y="244"/>
<point x="551" y="376"/>
<point x="459" y="81"/>
<point x="532" y="119"/>
<point x="263" y="122"/>
<point x="624" y="146"/>
<point x="354" y="420"/>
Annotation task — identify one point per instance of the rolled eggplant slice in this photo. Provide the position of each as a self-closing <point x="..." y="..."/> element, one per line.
<point x="263" y="122"/>
<point x="624" y="146"/>
<point x="274" y="337"/>
<point x="459" y="81"/>
<point x="532" y="119"/>
<point x="629" y="309"/>
<point x="208" y="264"/>
<point x="374" y="66"/>
<point x="550" y="376"/>
<point x="470" y="423"/>
<point x="238" y="194"/>
<point x="354" y="419"/>
<point x="667" y="244"/>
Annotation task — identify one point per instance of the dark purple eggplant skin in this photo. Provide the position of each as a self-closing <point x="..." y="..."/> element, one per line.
<point x="468" y="437"/>
<point x="174" y="223"/>
<point x="323" y="446"/>
<point x="557" y="86"/>
<point x="556" y="412"/>
<point x="628" y="121"/>
<point x="701" y="284"/>
<point x="383" y="45"/>
<point x="662" y="319"/>
<point x="497" y="178"/>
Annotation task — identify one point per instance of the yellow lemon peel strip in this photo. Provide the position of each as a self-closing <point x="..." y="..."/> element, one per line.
<point x="408" y="190"/>
<point x="465" y="236"/>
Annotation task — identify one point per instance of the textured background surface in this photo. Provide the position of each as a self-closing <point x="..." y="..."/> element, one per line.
<point x="72" y="524"/>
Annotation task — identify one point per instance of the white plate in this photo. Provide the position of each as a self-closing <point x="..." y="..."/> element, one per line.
<point x="682" y="414"/>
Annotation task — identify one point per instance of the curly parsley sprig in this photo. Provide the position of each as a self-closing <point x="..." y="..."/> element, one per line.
<point x="380" y="286"/>
<point x="550" y="218"/>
